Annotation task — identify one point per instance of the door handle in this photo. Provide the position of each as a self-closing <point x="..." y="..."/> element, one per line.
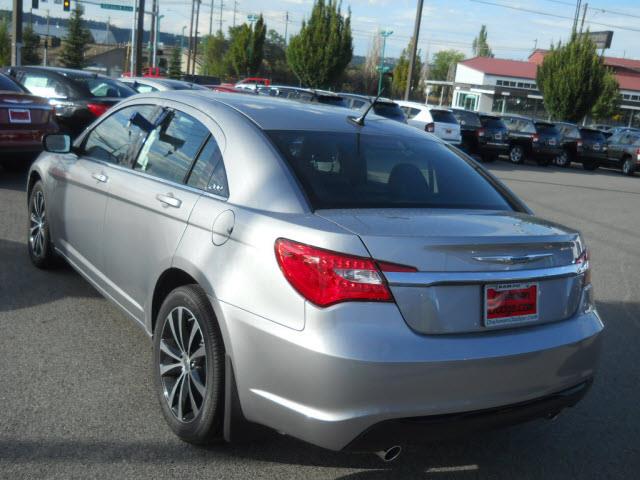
<point x="169" y="200"/>
<point x="100" y="177"/>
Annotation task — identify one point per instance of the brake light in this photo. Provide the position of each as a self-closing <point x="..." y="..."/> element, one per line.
<point x="97" y="108"/>
<point x="325" y="278"/>
<point x="638" y="153"/>
<point x="583" y="260"/>
<point x="536" y="137"/>
<point x="579" y="143"/>
<point x="480" y="132"/>
<point x="430" y="127"/>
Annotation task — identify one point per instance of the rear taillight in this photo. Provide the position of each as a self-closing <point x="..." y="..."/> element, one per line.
<point x="638" y="153"/>
<point x="97" y="109"/>
<point x="480" y="132"/>
<point x="583" y="260"/>
<point x="536" y="137"/>
<point x="430" y="127"/>
<point x="324" y="277"/>
<point x="579" y="143"/>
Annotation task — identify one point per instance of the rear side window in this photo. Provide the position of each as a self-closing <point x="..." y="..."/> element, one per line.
<point x="104" y="87"/>
<point x="411" y="112"/>
<point x="389" y="110"/>
<point x="443" y="116"/>
<point x="592" y="135"/>
<point x="467" y="118"/>
<point x="172" y="147"/>
<point x="8" y="85"/>
<point x="142" y="88"/>
<point x="112" y="139"/>
<point x="44" y="85"/>
<point x="208" y="173"/>
<point x="350" y="170"/>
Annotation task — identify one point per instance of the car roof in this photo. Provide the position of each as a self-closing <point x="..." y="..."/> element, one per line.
<point x="63" y="71"/>
<point x="274" y="113"/>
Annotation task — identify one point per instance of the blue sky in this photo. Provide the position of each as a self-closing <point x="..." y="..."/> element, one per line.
<point x="445" y="24"/>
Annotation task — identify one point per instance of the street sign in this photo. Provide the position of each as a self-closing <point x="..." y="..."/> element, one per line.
<point x="601" y="39"/>
<point x="384" y="69"/>
<point x="111" y="6"/>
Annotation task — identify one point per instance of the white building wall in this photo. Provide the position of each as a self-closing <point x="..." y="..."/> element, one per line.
<point x="466" y="74"/>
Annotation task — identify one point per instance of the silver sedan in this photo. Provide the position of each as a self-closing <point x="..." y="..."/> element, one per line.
<point x="350" y="282"/>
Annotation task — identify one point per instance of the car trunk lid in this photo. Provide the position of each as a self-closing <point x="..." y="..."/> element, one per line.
<point x="20" y="111"/>
<point x="459" y="252"/>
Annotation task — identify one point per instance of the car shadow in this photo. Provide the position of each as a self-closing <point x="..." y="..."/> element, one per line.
<point x="505" y="165"/>
<point x="22" y="285"/>
<point x="16" y="181"/>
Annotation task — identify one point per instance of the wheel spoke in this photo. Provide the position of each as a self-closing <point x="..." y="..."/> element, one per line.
<point x="200" y="352"/>
<point x="182" y="396"/>
<point x="176" y="338"/>
<point x="174" y="389"/>
<point x="34" y="218"/>
<point x="195" y="379"/>
<point x="165" y="348"/>
<point x="195" y="329"/>
<point x="194" y="404"/>
<point x="166" y="368"/>
<point x="40" y="242"/>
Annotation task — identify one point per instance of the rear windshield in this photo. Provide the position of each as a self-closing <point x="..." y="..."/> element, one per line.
<point x="594" y="135"/>
<point x="178" y="85"/>
<point x="443" y="116"/>
<point x="493" y="123"/>
<point x="350" y="170"/>
<point x="547" y="129"/>
<point x="104" y="87"/>
<point x="468" y="119"/>
<point x="8" y="85"/>
<point x="331" y="100"/>
<point x="389" y="110"/>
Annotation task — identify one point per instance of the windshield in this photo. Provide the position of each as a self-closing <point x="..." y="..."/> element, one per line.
<point x="443" y="116"/>
<point x="494" y="123"/>
<point x="350" y="170"/>
<point x="8" y="85"/>
<point x="105" y="87"/>
<point x="593" y="135"/>
<point x="468" y="119"/>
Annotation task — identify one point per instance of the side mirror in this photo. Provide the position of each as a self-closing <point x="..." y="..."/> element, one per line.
<point x="57" y="143"/>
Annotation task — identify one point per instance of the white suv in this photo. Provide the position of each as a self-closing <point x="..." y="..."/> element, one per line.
<point x="439" y="121"/>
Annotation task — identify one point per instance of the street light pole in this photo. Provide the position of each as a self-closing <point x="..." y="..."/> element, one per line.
<point x="384" y="34"/>
<point x="252" y="17"/>
<point x="414" y="48"/>
<point x="16" y="36"/>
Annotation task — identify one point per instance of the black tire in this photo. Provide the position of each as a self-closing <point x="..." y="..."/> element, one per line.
<point x="543" y="161"/>
<point x="563" y="160"/>
<point x="628" y="167"/>
<point x="204" y="423"/>
<point x="517" y="154"/>
<point x="590" y="165"/>
<point x="38" y="234"/>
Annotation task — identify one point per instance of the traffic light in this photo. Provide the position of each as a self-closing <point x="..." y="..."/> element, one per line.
<point x="66" y="5"/>
<point x="34" y="4"/>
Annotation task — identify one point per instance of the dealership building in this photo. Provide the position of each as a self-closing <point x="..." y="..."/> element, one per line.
<point x="509" y="86"/>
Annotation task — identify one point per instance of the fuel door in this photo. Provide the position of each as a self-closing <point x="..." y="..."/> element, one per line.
<point x="223" y="227"/>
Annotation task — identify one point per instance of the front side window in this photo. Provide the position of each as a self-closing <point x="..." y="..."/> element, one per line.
<point x="112" y="140"/>
<point x="208" y="173"/>
<point x="350" y="170"/>
<point x="172" y="146"/>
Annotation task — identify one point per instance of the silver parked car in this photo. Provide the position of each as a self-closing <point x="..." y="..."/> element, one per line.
<point x="349" y="283"/>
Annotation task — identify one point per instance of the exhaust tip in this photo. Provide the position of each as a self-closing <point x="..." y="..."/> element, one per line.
<point x="390" y="454"/>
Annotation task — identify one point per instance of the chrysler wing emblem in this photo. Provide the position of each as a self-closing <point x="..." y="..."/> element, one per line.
<point x="513" y="259"/>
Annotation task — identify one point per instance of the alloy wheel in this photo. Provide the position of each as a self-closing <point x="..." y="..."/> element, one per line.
<point x="626" y="166"/>
<point x="37" y="225"/>
<point x="516" y="154"/>
<point x="183" y="364"/>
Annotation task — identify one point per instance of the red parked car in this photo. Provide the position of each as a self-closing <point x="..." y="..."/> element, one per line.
<point x="24" y="120"/>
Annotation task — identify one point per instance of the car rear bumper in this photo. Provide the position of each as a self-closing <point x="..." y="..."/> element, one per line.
<point x="592" y="157"/>
<point x="494" y="148"/>
<point x="18" y="141"/>
<point x="355" y="366"/>
<point x="546" y="151"/>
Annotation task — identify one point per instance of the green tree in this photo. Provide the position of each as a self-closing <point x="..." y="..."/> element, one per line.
<point x="323" y="48"/>
<point x="401" y="72"/>
<point x="275" y="59"/>
<point x="215" y="51"/>
<point x="444" y="64"/>
<point x="480" y="46"/>
<point x="31" y="45"/>
<point x="5" y="44"/>
<point x="175" y="63"/>
<point x="246" y="47"/>
<point x="571" y="78"/>
<point x="609" y="100"/>
<point x="75" y="43"/>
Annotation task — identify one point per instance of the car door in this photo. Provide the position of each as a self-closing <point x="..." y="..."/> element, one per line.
<point x="82" y="187"/>
<point x="616" y="146"/>
<point x="149" y="206"/>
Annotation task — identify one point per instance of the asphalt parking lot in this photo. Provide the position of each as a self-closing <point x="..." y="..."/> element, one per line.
<point x="77" y="399"/>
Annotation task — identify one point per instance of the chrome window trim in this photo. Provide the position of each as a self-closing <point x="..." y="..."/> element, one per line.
<point x="429" y="279"/>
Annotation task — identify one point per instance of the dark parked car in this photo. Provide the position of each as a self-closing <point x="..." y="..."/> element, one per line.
<point x="580" y="144"/>
<point x="147" y="84"/>
<point x="528" y="138"/>
<point x="316" y="96"/>
<point x="79" y="97"/>
<point x="383" y="107"/>
<point x="24" y="120"/>
<point x="482" y="134"/>
<point x="623" y="151"/>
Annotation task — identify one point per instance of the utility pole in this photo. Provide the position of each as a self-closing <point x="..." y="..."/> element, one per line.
<point x="157" y="37"/>
<point x="576" y="16"/>
<point x="16" y="34"/>
<point x="152" y="33"/>
<point x="195" y="44"/>
<point x="190" y="50"/>
<point x="139" y="37"/>
<point x="414" y="48"/>
<point x="584" y="14"/>
<point x="235" y="9"/>
<point x="211" y="19"/>
<point x="45" y="58"/>
<point x="221" y="6"/>
<point x="384" y="34"/>
<point x="286" y="27"/>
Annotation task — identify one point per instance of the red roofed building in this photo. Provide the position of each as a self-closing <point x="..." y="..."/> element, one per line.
<point x="509" y="86"/>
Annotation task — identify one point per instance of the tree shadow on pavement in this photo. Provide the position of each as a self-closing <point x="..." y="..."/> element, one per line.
<point x="23" y="285"/>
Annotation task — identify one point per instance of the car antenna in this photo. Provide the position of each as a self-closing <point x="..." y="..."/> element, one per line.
<point x="360" y="120"/>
